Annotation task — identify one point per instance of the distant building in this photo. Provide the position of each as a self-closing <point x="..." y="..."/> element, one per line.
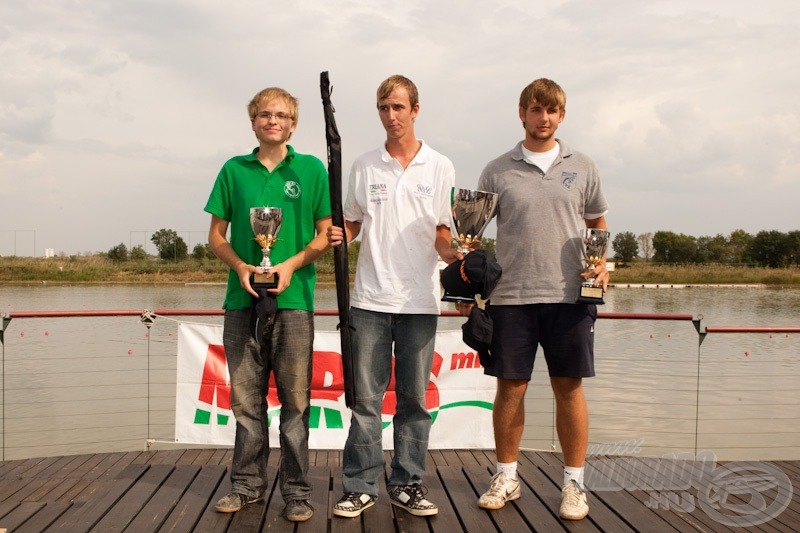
<point x="49" y="252"/>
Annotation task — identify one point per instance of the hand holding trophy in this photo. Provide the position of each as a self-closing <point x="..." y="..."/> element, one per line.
<point x="265" y="222"/>
<point x="471" y="212"/>
<point x="596" y="242"/>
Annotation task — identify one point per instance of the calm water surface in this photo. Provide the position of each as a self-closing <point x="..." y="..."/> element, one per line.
<point x="84" y="385"/>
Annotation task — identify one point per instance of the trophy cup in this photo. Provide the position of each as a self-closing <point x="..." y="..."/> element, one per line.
<point x="471" y="212"/>
<point x="596" y="241"/>
<point x="266" y="222"/>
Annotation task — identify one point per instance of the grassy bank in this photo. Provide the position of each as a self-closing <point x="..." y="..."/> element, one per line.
<point x="99" y="269"/>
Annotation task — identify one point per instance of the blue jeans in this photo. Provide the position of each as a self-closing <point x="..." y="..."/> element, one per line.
<point x="413" y="338"/>
<point x="287" y="353"/>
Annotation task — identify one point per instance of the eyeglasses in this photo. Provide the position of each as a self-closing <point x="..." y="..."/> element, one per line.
<point x="280" y="117"/>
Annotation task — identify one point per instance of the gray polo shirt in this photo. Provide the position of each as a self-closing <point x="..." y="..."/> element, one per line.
<point x="540" y="222"/>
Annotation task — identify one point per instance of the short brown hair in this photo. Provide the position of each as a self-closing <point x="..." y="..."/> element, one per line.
<point x="393" y="82"/>
<point x="274" y="93"/>
<point x="545" y="92"/>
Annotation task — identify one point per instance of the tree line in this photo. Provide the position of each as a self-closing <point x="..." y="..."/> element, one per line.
<point x="773" y="249"/>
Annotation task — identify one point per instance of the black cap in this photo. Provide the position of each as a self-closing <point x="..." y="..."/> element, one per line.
<point x="477" y="333"/>
<point x="477" y="273"/>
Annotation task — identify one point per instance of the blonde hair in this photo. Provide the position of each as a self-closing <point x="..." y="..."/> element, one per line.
<point x="274" y="93"/>
<point x="393" y="82"/>
<point x="545" y="92"/>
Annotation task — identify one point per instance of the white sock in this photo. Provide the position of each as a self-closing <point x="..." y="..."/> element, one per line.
<point x="573" y="473"/>
<point x="509" y="469"/>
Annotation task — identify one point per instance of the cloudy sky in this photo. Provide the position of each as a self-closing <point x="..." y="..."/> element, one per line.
<point x="116" y="115"/>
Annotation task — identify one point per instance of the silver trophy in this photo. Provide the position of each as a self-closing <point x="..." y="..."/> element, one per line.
<point x="266" y="223"/>
<point x="471" y="212"/>
<point x="596" y="242"/>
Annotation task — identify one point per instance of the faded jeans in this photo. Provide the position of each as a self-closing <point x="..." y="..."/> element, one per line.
<point x="413" y="338"/>
<point x="287" y="354"/>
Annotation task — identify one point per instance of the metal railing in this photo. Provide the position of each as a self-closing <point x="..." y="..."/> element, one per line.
<point x="738" y="394"/>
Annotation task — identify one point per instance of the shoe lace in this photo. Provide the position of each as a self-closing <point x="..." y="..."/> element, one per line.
<point x="572" y="494"/>
<point x="497" y="486"/>
<point x="353" y="498"/>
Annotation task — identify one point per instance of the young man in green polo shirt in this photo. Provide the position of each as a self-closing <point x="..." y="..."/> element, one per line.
<point x="273" y="175"/>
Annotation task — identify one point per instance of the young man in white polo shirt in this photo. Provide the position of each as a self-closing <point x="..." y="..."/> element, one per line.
<point x="399" y="202"/>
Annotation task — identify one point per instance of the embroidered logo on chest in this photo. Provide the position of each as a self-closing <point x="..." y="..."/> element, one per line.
<point x="569" y="179"/>
<point x="423" y="191"/>
<point x="292" y="189"/>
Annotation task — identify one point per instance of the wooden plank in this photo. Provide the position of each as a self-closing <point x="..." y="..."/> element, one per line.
<point x="23" y="512"/>
<point x="158" y="508"/>
<point x="187" y="511"/>
<point x="549" y="495"/>
<point x="466" y="458"/>
<point x="447" y="517"/>
<point x="637" y="470"/>
<point x="210" y="520"/>
<point x="7" y="507"/>
<point x="320" y="479"/>
<point x="463" y="497"/>
<point x="11" y="487"/>
<point x="97" y="499"/>
<point x="135" y="498"/>
<point x="526" y="512"/>
<point x="30" y="468"/>
<point x="42" y="520"/>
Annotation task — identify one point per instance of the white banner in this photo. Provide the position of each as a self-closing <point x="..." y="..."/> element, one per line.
<point x="459" y="395"/>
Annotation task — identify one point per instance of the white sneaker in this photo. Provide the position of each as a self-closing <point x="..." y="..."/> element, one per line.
<point x="573" y="502"/>
<point x="502" y="489"/>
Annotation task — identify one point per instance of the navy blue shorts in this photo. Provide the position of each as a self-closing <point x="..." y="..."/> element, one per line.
<point x="565" y="332"/>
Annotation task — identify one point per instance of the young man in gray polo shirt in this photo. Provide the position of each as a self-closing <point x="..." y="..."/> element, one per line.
<point x="547" y="194"/>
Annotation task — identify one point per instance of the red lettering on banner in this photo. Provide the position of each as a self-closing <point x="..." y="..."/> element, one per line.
<point x="464" y="360"/>
<point x="215" y="380"/>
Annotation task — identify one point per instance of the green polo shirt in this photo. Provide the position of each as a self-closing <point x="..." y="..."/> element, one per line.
<point x="299" y="186"/>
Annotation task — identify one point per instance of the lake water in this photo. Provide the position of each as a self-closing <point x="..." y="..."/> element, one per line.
<point x="85" y="385"/>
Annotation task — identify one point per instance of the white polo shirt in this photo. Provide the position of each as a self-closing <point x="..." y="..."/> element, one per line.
<point x="399" y="210"/>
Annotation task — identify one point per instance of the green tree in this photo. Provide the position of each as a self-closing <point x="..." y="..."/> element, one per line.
<point x="713" y="249"/>
<point x="794" y="247"/>
<point x="118" y="253"/>
<point x="625" y="246"/>
<point x="202" y="251"/>
<point x="674" y="248"/>
<point x="771" y="249"/>
<point x="171" y="247"/>
<point x="138" y="253"/>
<point x="739" y="245"/>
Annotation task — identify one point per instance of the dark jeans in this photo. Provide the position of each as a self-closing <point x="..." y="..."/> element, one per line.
<point x="287" y="353"/>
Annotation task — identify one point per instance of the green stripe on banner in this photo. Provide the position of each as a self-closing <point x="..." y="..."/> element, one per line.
<point x="472" y="403"/>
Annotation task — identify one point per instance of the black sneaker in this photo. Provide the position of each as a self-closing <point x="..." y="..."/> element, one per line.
<point x="353" y="504"/>
<point x="298" y="511"/>
<point x="234" y="501"/>
<point x="412" y="499"/>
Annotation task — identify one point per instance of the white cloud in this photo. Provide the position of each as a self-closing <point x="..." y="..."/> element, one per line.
<point x="115" y="116"/>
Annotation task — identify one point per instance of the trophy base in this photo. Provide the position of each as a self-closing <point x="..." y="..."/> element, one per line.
<point x="458" y="299"/>
<point x="264" y="281"/>
<point x="591" y="295"/>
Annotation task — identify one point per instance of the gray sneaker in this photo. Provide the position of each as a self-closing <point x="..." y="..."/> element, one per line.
<point x="234" y="501"/>
<point x="353" y="504"/>
<point x="298" y="511"/>
<point x="412" y="499"/>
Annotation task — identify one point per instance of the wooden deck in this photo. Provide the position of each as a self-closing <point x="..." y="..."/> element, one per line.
<point x="175" y="491"/>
